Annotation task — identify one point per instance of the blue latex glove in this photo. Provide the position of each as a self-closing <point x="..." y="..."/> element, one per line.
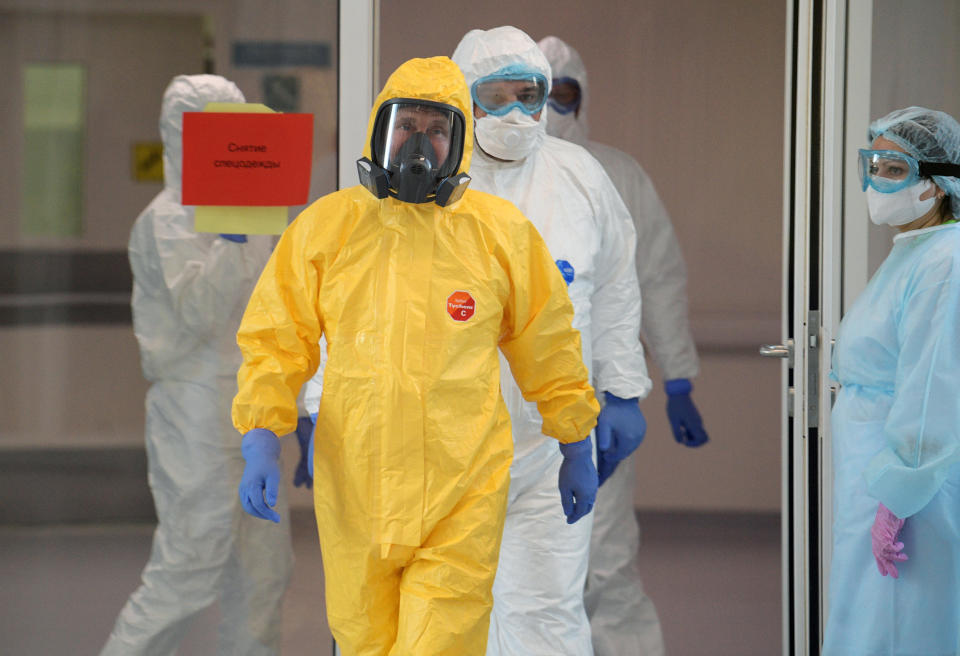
<point x="684" y="419"/>
<point x="578" y="479"/>
<point x="620" y="430"/>
<point x="260" y="484"/>
<point x="240" y="239"/>
<point x="304" y="472"/>
<point x="313" y="418"/>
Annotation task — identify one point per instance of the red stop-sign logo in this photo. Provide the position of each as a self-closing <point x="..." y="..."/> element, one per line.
<point x="460" y="305"/>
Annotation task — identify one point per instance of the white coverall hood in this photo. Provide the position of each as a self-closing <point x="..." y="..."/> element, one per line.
<point x="566" y="62"/>
<point x="484" y="52"/>
<point x="187" y="93"/>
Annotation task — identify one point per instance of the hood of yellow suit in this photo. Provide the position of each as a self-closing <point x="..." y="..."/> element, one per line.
<point x="437" y="79"/>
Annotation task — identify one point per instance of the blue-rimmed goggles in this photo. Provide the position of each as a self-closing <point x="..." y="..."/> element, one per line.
<point x="888" y="171"/>
<point x="565" y="95"/>
<point x="505" y="90"/>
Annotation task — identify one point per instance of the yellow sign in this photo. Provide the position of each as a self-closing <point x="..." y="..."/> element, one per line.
<point x="240" y="220"/>
<point x="148" y="161"/>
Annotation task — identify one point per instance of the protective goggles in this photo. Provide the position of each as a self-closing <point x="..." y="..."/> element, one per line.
<point x="501" y="92"/>
<point x="565" y="95"/>
<point x="888" y="171"/>
<point x="422" y="135"/>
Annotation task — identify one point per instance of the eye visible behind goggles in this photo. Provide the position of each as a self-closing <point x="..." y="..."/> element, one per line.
<point x="888" y="171"/>
<point x="510" y="88"/>
<point x="417" y="147"/>
<point x="565" y="95"/>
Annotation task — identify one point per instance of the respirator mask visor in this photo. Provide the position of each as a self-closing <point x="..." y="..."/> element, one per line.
<point x="418" y="144"/>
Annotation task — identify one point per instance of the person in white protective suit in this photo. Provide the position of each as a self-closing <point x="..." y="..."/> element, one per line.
<point x="623" y="619"/>
<point x="189" y="293"/>
<point x="538" y="591"/>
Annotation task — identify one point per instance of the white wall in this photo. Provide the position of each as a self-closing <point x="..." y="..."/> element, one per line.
<point x="71" y="386"/>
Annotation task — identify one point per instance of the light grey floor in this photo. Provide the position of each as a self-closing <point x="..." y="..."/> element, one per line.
<point x="715" y="580"/>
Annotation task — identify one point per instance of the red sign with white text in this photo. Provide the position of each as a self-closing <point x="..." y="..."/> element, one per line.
<point x="246" y="159"/>
<point x="460" y="305"/>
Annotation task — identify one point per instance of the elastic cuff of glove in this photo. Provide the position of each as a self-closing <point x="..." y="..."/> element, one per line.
<point x="613" y="399"/>
<point x="576" y="449"/>
<point x="260" y="440"/>
<point x="678" y="386"/>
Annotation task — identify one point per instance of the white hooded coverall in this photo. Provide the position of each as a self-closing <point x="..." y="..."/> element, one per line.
<point x="538" y="591"/>
<point x="189" y="293"/>
<point x="623" y="619"/>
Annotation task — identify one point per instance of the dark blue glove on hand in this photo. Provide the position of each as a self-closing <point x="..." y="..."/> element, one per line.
<point x="304" y="472"/>
<point x="605" y="467"/>
<point x="240" y="239"/>
<point x="260" y="484"/>
<point x="620" y="430"/>
<point x="313" y="418"/>
<point x="683" y="415"/>
<point x="578" y="479"/>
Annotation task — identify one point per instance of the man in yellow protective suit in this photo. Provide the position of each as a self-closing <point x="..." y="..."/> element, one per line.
<point x="414" y="281"/>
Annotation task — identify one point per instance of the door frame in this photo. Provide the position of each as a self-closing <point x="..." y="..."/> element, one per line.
<point x="827" y="107"/>
<point x="357" y="82"/>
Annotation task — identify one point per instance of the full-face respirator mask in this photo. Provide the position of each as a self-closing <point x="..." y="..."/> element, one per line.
<point x="416" y="149"/>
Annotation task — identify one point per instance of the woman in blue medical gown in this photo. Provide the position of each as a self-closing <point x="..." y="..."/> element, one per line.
<point x="895" y="576"/>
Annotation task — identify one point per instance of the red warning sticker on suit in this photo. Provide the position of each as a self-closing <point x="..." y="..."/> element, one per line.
<point x="460" y="305"/>
<point x="246" y="159"/>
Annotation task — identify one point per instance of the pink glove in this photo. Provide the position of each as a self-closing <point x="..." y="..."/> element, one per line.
<point x="885" y="548"/>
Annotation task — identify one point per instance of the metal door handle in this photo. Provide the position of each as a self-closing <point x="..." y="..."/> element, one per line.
<point x="774" y="351"/>
<point x="778" y="351"/>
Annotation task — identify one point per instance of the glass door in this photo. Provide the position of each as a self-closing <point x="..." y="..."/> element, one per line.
<point x="826" y="109"/>
<point x="827" y="262"/>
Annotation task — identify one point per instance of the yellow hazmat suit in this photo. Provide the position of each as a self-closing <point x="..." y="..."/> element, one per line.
<point x="413" y="443"/>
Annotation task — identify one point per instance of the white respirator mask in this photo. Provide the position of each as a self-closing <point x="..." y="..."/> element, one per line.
<point x="899" y="207"/>
<point x="512" y="136"/>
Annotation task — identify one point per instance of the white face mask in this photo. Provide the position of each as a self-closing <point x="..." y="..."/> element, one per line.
<point x="511" y="137"/>
<point x="567" y="127"/>
<point x="899" y="207"/>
